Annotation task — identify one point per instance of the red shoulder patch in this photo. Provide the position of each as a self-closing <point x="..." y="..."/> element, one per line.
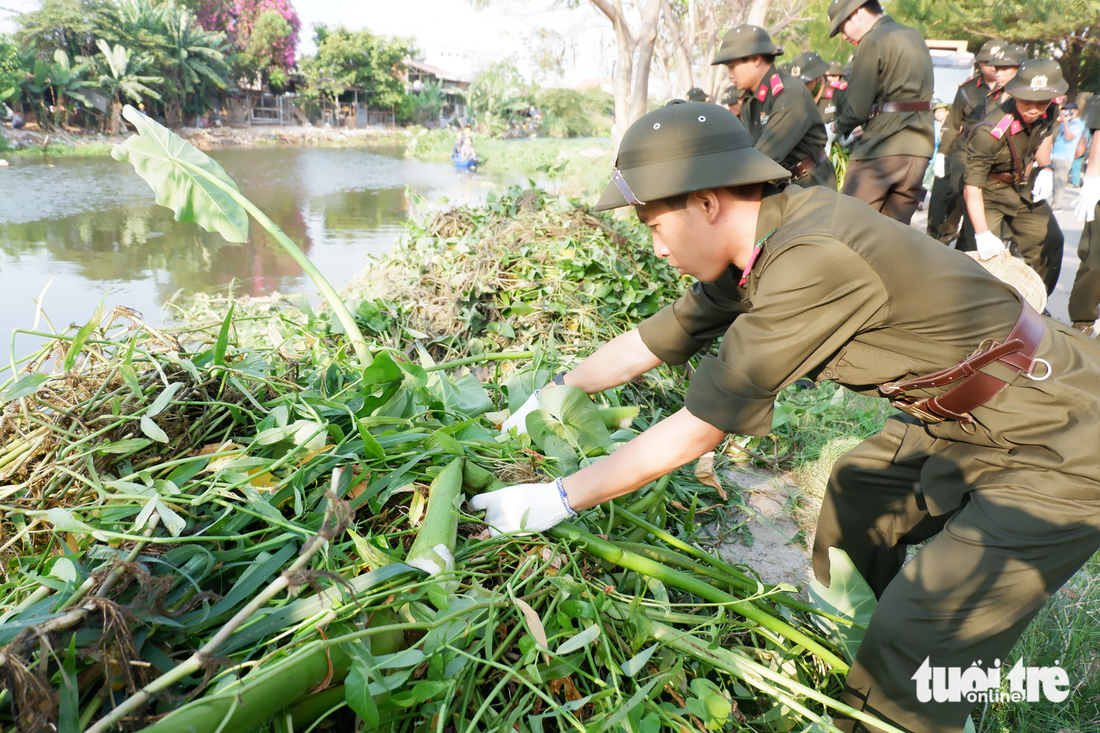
<point x="1001" y="127"/>
<point x="829" y="93"/>
<point x="1059" y="100"/>
<point x="762" y="92"/>
<point x="1015" y="127"/>
<point x="839" y="84"/>
<point x="968" y="81"/>
<point x="776" y="84"/>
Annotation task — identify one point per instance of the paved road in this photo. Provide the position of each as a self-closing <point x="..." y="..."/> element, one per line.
<point x="1058" y="302"/>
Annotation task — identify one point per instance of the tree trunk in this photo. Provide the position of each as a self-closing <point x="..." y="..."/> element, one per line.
<point x="681" y="46"/>
<point x="115" y="122"/>
<point x="634" y="52"/>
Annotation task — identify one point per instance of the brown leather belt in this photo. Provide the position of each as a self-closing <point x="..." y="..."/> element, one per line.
<point x="803" y="167"/>
<point x="1008" y="178"/>
<point x="900" y="107"/>
<point x="977" y="387"/>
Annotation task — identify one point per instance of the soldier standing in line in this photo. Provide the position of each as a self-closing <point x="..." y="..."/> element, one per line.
<point x="835" y="84"/>
<point x="733" y="99"/>
<point x="780" y="114"/>
<point x="1084" y="298"/>
<point x="886" y="110"/>
<point x="1008" y="173"/>
<point x="811" y="69"/>
<point x="967" y="109"/>
<point x="1002" y="64"/>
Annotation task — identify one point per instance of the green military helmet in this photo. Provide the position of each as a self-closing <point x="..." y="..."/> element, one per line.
<point x="839" y="11"/>
<point x="695" y="94"/>
<point x="785" y="68"/>
<point x="990" y="49"/>
<point x="837" y="69"/>
<point x="743" y="41"/>
<point x="1008" y="55"/>
<point x="1038" y="80"/>
<point x="809" y="65"/>
<point x="685" y="147"/>
<point x="733" y="95"/>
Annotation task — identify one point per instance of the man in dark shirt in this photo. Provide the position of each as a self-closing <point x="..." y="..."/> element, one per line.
<point x="886" y="109"/>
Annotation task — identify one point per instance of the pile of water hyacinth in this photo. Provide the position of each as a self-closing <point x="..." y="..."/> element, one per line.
<point x="201" y="531"/>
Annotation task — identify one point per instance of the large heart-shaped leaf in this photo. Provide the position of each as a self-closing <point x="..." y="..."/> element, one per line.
<point x="162" y="158"/>
<point x="567" y="413"/>
<point x="847" y="596"/>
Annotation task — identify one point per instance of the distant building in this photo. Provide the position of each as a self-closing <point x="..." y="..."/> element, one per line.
<point x="454" y="87"/>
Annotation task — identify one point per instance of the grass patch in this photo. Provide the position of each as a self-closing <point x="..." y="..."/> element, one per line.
<point x="60" y="149"/>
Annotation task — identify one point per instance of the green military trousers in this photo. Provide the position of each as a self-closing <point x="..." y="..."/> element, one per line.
<point x="892" y="184"/>
<point x="1037" y="234"/>
<point x="967" y="594"/>
<point x="1084" y="299"/>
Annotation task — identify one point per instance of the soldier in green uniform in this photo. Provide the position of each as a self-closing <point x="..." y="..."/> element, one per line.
<point x="695" y="94"/>
<point x="1084" y="298"/>
<point x="1008" y="176"/>
<point x="886" y="109"/>
<point x="811" y="69"/>
<point x="1003" y="62"/>
<point x="779" y="111"/>
<point x="733" y="99"/>
<point x="996" y="473"/>
<point x="969" y="107"/>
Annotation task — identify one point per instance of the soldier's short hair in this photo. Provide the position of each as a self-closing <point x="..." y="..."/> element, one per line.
<point x="873" y="6"/>
<point x="680" y="202"/>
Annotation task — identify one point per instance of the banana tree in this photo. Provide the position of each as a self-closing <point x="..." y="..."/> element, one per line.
<point x="124" y="79"/>
<point x="60" y="80"/>
<point x="193" y="185"/>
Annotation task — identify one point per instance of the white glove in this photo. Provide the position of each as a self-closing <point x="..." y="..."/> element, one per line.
<point x="848" y="139"/>
<point x="1085" y="208"/>
<point x="1044" y="186"/>
<point x="518" y="419"/>
<point x="830" y="133"/>
<point x="989" y="245"/>
<point x="523" y="508"/>
<point x="939" y="166"/>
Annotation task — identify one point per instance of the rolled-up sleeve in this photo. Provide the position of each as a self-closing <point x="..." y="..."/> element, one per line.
<point x="811" y="299"/>
<point x="680" y="330"/>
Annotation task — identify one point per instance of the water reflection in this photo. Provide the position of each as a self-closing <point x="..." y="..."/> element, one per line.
<point x="93" y="225"/>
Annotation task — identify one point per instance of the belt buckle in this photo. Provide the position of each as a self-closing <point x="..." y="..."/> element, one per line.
<point x="914" y="408"/>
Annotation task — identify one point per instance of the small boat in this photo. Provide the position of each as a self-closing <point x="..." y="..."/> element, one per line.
<point x="466" y="164"/>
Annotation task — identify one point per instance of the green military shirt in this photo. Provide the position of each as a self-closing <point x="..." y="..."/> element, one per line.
<point x="988" y="152"/>
<point x="784" y="124"/>
<point x="830" y="98"/>
<point x="838" y="292"/>
<point x="969" y="107"/>
<point x="892" y="64"/>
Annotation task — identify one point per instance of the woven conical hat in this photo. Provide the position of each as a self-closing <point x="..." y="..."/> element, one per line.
<point x="1016" y="273"/>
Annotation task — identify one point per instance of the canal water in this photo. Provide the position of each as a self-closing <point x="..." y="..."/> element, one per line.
<point x="91" y="225"/>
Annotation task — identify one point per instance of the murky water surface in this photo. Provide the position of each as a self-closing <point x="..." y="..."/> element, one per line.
<point x="92" y="226"/>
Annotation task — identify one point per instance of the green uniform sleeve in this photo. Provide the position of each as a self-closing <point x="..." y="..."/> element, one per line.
<point x="679" y="331"/>
<point x="854" y="107"/>
<point x="810" y="300"/>
<point x="981" y="154"/>
<point x="952" y="124"/>
<point x="787" y="124"/>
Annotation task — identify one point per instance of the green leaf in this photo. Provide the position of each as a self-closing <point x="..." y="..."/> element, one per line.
<point x="848" y="596"/>
<point x="82" y="336"/>
<point x="357" y="694"/>
<point x="579" y="641"/>
<point x="382" y="370"/>
<point x="637" y="663"/>
<point x="152" y="430"/>
<point x="371" y="448"/>
<point x="223" y="337"/>
<point x="124" y="447"/>
<point x="68" y="720"/>
<point x="131" y="380"/>
<point x="163" y="399"/>
<point x="163" y="158"/>
<point x="65" y="521"/>
<point x="569" y="414"/>
<point x="172" y="521"/>
<point x="24" y="387"/>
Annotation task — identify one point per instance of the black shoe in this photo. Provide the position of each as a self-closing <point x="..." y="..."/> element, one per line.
<point x="1086" y="327"/>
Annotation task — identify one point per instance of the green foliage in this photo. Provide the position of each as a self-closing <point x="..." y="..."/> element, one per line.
<point x="570" y="113"/>
<point x="812" y="34"/>
<point x="256" y="59"/>
<point x="497" y="95"/>
<point x="12" y="70"/>
<point x="347" y="58"/>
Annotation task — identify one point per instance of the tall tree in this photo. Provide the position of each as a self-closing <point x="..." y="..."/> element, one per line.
<point x="360" y="59"/>
<point x="262" y="36"/>
<point x="1062" y="29"/>
<point x="124" y="79"/>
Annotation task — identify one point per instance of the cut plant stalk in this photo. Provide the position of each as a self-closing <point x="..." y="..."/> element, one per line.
<point x="433" y="550"/>
<point x="187" y="187"/>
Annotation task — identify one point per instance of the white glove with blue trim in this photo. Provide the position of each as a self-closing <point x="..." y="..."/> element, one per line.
<point x="518" y="419"/>
<point x="524" y="507"/>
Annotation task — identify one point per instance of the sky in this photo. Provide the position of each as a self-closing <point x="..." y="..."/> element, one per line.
<point x="502" y="30"/>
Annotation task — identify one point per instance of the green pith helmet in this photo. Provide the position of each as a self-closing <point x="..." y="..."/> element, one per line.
<point x="990" y="49"/>
<point x="743" y="41"/>
<point x="685" y="147"/>
<point x="695" y="94"/>
<point x="837" y="69"/>
<point x="808" y="65"/>
<point x="839" y="11"/>
<point x="733" y="95"/>
<point x="1008" y="55"/>
<point x="1038" y="80"/>
<point x="785" y="68"/>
